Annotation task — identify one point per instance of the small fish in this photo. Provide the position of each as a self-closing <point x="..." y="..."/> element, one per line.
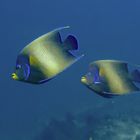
<point x="110" y="78"/>
<point x="45" y="57"/>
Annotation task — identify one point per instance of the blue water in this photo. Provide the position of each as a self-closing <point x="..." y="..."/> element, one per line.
<point x="105" y="30"/>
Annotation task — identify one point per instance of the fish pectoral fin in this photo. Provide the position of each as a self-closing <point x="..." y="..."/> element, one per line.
<point x="70" y="43"/>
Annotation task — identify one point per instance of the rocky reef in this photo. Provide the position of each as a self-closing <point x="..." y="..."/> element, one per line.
<point x="98" y="124"/>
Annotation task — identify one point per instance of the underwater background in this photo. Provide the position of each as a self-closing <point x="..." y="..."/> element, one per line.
<point x="64" y="109"/>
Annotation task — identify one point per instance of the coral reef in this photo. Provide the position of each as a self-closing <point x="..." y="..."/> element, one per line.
<point x="87" y="126"/>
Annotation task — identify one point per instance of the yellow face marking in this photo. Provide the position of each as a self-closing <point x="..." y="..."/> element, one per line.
<point x="14" y="76"/>
<point x="84" y="80"/>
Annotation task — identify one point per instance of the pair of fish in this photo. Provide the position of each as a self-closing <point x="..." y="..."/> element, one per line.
<point x="47" y="56"/>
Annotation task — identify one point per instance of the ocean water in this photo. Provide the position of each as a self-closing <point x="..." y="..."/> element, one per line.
<point x="64" y="109"/>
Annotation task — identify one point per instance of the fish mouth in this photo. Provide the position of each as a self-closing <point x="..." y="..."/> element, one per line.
<point x="14" y="76"/>
<point x="84" y="80"/>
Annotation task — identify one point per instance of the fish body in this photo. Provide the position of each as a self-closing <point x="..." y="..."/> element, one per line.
<point x="45" y="57"/>
<point x="111" y="78"/>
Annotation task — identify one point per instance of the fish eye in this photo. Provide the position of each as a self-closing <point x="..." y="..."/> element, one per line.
<point x="18" y="66"/>
<point x="89" y="74"/>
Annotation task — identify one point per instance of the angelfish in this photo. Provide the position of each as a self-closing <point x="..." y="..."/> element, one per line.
<point x="45" y="57"/>
<point x="110" y="78"/>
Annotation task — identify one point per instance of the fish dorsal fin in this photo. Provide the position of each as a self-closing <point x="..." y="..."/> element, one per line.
<point x="54" y="36"/>
<point x="119" y="66"/>
<point x="50" y="37"/>
<point x="123" y="66"/>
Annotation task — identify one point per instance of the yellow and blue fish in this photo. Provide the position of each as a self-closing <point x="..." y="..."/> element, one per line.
<point x="45" y="57"/>
<point x="110" y="78"/>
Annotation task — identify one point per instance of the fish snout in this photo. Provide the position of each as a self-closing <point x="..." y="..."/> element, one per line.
<point x="84" y="80"/>
<point x="14" y="76"/>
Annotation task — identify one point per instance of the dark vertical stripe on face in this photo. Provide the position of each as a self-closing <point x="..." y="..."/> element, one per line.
<point x="95" y="74"/>
<point x="26" y="71"/>
<point x="23" y="61"/>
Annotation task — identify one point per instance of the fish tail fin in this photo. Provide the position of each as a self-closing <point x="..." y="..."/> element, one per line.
<point x="135" y="75"/>
<point x="71" y="43"/>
